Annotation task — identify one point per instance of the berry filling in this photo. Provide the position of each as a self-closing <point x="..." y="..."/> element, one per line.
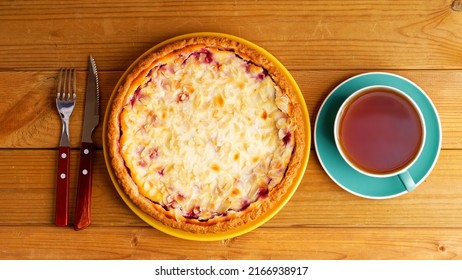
<point x="287" y="137"/>
<point x="203" y="56"/>
<point x="263" y="192"/>
<point x="136" y="96"/>
<point x="182" y="97"/>
<point x="153" y="153"/>
<point x="260" y="76"/>
<point x="194" y="213"/>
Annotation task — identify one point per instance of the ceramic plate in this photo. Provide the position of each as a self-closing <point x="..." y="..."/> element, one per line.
<point x="348" y="178"/>
<point x="251" y="225"/>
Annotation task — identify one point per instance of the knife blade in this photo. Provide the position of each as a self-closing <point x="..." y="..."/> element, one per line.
<point x="82" y="217"/>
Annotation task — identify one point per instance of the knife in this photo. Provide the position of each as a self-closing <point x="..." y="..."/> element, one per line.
<point x="82" y="217"/>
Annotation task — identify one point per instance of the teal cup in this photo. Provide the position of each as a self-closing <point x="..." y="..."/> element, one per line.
<point x="364" y="122"/>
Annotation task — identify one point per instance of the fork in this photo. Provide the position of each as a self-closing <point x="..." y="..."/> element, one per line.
<point x="65" y="102"/>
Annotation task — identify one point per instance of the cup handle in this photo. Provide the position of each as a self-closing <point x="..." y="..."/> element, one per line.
<point x="407" y="180"/>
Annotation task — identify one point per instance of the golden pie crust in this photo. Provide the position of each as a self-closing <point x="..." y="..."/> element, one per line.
<point x="148" y="104"/>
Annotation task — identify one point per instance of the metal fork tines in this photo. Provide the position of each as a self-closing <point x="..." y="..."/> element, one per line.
<point x="65" y="102"/>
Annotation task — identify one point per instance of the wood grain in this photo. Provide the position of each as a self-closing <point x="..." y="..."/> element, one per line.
<point x="27" y="195"/>
<point x="40" y="128"/>
<point x="264" y="243"/>
<point x="322" y="43"/>
<point x="330" y="34"/>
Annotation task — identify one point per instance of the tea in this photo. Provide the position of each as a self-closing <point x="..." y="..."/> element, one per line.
<point x="380" y="131"/>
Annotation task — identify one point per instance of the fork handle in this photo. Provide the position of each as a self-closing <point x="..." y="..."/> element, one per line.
<point x="82" y="218"/>
<point x="62" y="188"/>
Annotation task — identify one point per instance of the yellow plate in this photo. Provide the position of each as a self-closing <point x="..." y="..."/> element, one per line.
<point x="251" y="225"/>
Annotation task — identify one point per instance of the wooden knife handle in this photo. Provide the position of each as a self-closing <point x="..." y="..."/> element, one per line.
<point x="82" y="217"/>
<point x="62" y="187"/>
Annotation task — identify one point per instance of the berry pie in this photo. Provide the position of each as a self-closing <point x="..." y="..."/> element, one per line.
<point x="205" y="134"/>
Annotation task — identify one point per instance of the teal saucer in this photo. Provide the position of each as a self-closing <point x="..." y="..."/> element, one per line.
<point x="348" y="178"/>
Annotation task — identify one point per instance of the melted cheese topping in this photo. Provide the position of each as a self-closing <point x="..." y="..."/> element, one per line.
<point x="205" y="133"/>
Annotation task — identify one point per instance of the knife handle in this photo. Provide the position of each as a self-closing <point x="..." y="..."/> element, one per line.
<point x="82" y="215"/>
<point x="62" y="187"/>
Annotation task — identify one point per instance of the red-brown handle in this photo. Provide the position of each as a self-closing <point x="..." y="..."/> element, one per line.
<point x="62" y="187"/>
<point x="82" y="217"/>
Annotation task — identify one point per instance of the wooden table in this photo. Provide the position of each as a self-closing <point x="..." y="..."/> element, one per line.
<point x="322" y="43"/>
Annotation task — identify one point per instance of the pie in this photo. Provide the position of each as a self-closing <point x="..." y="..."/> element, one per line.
<point x="205" y="134"/>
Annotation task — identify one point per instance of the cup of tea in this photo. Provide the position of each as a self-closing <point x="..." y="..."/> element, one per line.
<point x="380" y="132"/>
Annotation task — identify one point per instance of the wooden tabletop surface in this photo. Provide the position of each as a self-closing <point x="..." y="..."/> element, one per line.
<point x="321" y="43"/>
